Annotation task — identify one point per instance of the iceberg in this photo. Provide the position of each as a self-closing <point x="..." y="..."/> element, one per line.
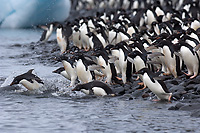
<point x="28" y="13"/>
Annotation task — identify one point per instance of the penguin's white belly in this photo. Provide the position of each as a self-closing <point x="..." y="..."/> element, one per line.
<point x="61" y="41"/>
<point x="30" y="86"/>
<point x="169" y="61"/>
<point x="76" y="39"/>
<point x="65" y="74"/>
<point x="102" y="40"/>
<point x="83" y="75"/>
<point x="99" y="91"/>
<point x="190" y="60"/>
<point x="68" y="68"/>
<point x="139" y="63"/>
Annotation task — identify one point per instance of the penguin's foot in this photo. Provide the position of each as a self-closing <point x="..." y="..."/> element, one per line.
<point x="119" y="78"/>
<point x="193" y="76"/>
<point x="169" y="99"/>
<point x="137" y="78"/>
<point x="86" y="49"/>
<point x="155" y="100"/>
<point x="166" y="74"/>
<point x="143" y="87"/>
<point x="141" y="83"/>
<point x="187" y="74"/>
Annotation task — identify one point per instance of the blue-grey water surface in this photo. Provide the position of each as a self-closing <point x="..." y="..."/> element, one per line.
<point x="22" y="111"/>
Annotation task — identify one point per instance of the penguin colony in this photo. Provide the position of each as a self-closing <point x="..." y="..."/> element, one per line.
<point x="147" y="39"/>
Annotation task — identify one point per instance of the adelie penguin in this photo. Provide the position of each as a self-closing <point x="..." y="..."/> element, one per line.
<point x="157" y="86"/>
<point x="61" y="71"/>
<point x="69" y="67"/>
<point x="95" y="87"/>
<point x="63" y="34"/>
<point x="48" y="29"/>
<point x="190" y="58"/>
<point x="28" y="80"/>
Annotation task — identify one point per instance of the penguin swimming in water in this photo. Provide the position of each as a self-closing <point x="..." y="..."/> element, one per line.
<point x="95" y="87"/>
<point x="28" y="80"/>
<point x="158" y="87"/>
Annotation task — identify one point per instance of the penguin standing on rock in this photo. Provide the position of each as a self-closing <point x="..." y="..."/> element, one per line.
<point x="95" y="87"/>
<point x="28" y="80"/>
<point x="63" y="34"/>
<point x="190" y="58"/>
<point x="158" y="87"/>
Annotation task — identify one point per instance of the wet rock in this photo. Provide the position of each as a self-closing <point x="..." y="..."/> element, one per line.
<point x="190" y="107"/>
<point x="196" y="114"/>
<point x="190" y="96"/>
<point x="127" y="87"/>
<point x="119" y="91"/>
<point x="190" y="87"/>
<point x="176" y="95"/>
<point x="137" y="93"/>
<point x="176" y="107"/>
<point x="198" y="89"/>
<point x="177" y="88"/>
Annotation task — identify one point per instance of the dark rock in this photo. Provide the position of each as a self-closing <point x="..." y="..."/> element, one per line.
<point x="190" y="87"/>
<point x="176" y="107"/>
<point x="196" y="113"/>
<point x="190" y="96"/>
<point x="145" y="95"/>
<point x="190" y="107"/>
<point x="177" y="88"/>
<point x="119" y="91"/>
<point x="137" y="93"/>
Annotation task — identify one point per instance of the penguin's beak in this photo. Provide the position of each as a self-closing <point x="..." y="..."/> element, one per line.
<point x="12" y="84"/>
<point x="74" y="89"/>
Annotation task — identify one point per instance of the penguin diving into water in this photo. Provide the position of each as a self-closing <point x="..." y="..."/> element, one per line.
<point x="156" y="85"/>
<point x="28" y="80"/>
<point x="95" y="87"/>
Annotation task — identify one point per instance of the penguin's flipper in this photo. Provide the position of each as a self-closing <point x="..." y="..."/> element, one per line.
<point x="95" y="67"/>
<point x="155" y="54"/>
<point x="130" y="59"/>
<point x="43" y="27"/>
<point x="178" y="54"/>
<point x="153" y="62"/>
<point x="197" y="47"/>
<point x="112" y="59"/>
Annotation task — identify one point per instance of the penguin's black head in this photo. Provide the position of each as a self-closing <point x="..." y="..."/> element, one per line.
<point x="90" y="34"/>
<point x="78" y="87"/>
<point x="60" y="26"/>
<point x="153" y="23"/>
<point x="59" y="70"/>
<point x="133" y="54"/>
<point x="16" y="80"/>
<point x="142" y="71"/>
<point x="76" y="29"/>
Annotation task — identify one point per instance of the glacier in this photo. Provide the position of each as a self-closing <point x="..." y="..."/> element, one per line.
<point x="28" y="13"/>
